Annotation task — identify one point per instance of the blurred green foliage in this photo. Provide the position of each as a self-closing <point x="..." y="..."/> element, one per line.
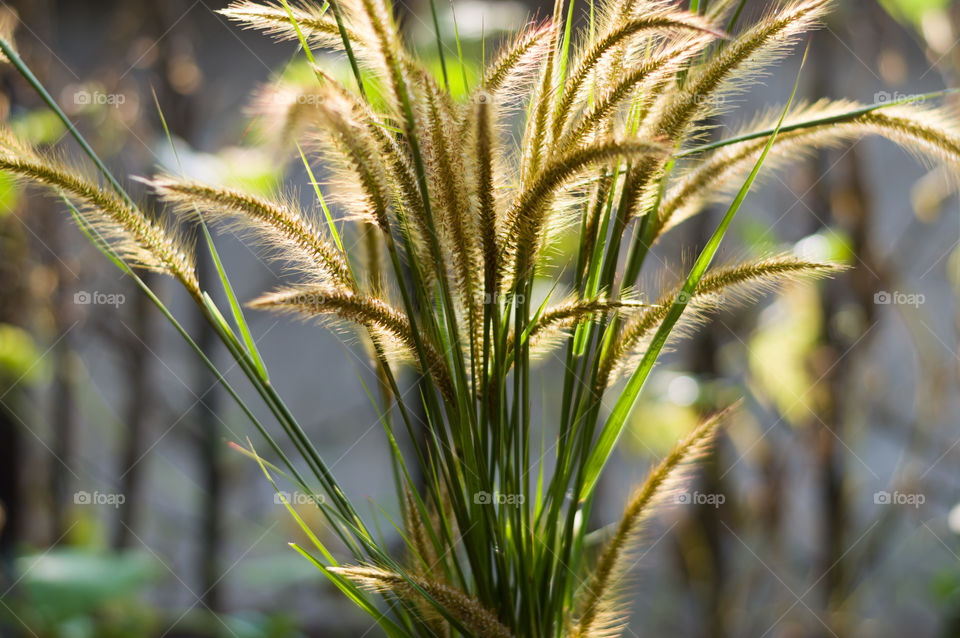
<point x="19" y="357"/>
<point x="912" y="12"/>
<point x="75" y="593"/>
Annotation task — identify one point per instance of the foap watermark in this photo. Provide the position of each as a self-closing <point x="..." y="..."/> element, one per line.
<point x="84" y="298"/>
<point x="289" y="99"/>
<point x="897" y="298"/>
<point x="483" y="97"/>
<point x="111" y="499"/>
<point x="83" y="97"/>
<point x="912" y="499"/>
<point x="701" y="498"/>
<point x="496" y="498"/>
<point x="483" y="298"/>
<point x="312" y="298"/>
<point x="298" y="498"/>
<point x="886" y="97"/>
<point x="710" y="100"/>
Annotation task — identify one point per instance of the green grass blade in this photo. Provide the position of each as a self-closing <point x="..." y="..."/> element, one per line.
<point x="820" y="121"/>
<point x="296" y="27"/>
<point x="443" y="58"/>
<point x="300" y="522"/>
<point x="238" y="315"/>
<point x="323" y="204"/>
<point x="350" y="590"/>
<point x="736" y="16"/>
<point x="456" y="35"/>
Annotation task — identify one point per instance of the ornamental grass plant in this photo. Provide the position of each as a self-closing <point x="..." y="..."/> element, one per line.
<point x="441" y="215"/>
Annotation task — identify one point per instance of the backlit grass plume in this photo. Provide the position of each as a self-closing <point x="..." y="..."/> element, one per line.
<point x="447" y="208"/>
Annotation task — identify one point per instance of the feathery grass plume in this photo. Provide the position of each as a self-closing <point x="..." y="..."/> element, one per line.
<point x="569" y="313"/>
<point x="516" y="64"/>
<point x="527" y="217"/>
<point x="480" y="621"/>
<point x="733" y="66"/>
<point x="8" y="26"/>
<point x="655" y="67"/>
<point x="285" y="229"/>
<point x="455" y="217"/>
<point x="132" y="235"/>
<point x="364" y="310"/>
<point x="735" y="283"/>
<point x="543" y="333"/>
<point x="424" y="562"/>
<point x="354" y="153"/>
<point x="389" y="60"/>
<point x="486" y="195"/>
<point x="535" y="133"/>
<point x="931" y="134"/>
<point x="574" y="310"/>
<point x="285" y="109"/>
<point x="316" y="23"/>
<point x="407" y="201"/>
<point x="425" y="559"/>
<point x="598" y="604"/>
<point x="624" y="34"/>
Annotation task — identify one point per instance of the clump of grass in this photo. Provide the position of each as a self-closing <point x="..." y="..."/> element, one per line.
<point x="457" y="220"/>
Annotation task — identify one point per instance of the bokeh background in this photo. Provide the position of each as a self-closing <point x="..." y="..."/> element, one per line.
<point x="829" y="507"/>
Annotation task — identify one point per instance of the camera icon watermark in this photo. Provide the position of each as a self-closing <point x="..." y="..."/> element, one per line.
<point x="914" y="500"/>
<point x="484" y="97"/>
<point x="110" y="499"/>
<point x="85" y="298"/>
<point x="298" y="498"/>
<point x="83" y="97"/>
<point x="700" y="498"/>
<point x="496" y="498"/>
<point x="897" y="298"/>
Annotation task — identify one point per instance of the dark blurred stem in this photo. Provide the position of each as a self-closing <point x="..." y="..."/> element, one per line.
<point x="209" y="452"/>
<point x="136" y="416"/>
<point x="849" y="202"/>
<point x="11" y="449"/>
<point x="63" y="417"/>
<point x="64" y="428"/>
<point x="826" y="427"/>
<point x="13" y="247"/>
<point x="703" y="364"/>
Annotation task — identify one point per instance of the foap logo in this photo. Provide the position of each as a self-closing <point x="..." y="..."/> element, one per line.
<point x="914" y="500"/>
<point x="483" y="298"/>
<point x="289" y="99"/>
<point x="110" y="499"/>
<point x="496" y="498"/>
<point x="312" y="298"/>
<point x="482" y="97"/>
<point x="83" y="97"/>
<point x="700" y="498"/>
<point x="709" y="100"/>
<point x="298" y="498"/>
<point x="897" y="298"/>
<point x="84" y="298"/>
<point x="886" y="97"/>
